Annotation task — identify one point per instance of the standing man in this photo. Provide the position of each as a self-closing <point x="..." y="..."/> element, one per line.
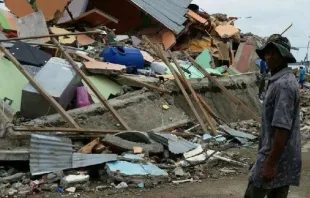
<point x="278" y="164"/>
<point x="302" y="76"/>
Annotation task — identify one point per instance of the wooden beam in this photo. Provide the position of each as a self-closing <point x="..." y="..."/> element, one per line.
<point x="87" y="149"/>
<point x="151" y="87"/>
<point x="90" y="84"/>
<point x="187" y="98"/>
<point x="194" y="95"/>
<point x="50" y="35"/>
<point x="233" y="98"/>
<point x="38" y="87"/>
<point x="60" y="129"/>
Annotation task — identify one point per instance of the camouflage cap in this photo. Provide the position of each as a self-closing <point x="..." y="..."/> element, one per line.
<point x="282" y="44"/>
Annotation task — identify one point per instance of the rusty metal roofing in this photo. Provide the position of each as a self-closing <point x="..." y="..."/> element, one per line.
<point x="171" y="13"/>
<point x="49" y="154"/>
<point x="175" y="144"/>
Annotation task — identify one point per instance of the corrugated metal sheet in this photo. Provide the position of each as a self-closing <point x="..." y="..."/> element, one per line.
<point x="175" y="144"/>
<point x="49" y="154"/>
<point x="83" y="160"/>
<point x="168" y="12"/>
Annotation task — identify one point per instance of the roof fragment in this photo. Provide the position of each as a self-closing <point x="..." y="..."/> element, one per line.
<point x="20" y="8"/>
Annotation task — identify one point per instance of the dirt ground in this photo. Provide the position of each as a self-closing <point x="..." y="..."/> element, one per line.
<point x="231" y="186"/>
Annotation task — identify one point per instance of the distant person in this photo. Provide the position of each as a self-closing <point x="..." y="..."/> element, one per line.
<point x="302" y="76"/>
<point x="278" y="164"/>
<point x="263" y="72"/>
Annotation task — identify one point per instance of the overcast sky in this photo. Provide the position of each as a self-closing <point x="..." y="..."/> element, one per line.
<point x="268" y="17"/>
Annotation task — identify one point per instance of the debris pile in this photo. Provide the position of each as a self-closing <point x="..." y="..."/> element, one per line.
<point x="65" y="56"/>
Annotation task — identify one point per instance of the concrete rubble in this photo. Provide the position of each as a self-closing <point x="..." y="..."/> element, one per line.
<point x="87" y="96"/>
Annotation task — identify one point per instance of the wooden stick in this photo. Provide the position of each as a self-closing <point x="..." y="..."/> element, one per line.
<point x="194" y="94"/>
<point x="152" y="87"/>
<point x="287" y="29"/>
<point x="50" y="35"/>
<point x="60" y="129"/>
<point x="161" y="54"/>
<point x="91" y="85"/>
<point x="38" y="87"/>
<point x="231" y="96"/>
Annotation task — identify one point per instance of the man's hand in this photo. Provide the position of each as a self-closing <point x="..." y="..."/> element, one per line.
<point x="269" y="171"/>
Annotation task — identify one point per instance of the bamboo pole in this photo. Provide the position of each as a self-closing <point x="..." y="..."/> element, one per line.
<point x="38" y="87"/>
<point x="233" y="98"/>
<point x="187" y="98"/>
<point x="194" y="94"/>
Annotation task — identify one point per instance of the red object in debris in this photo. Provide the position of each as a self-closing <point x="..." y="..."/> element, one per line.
<point x="12" y="35"/>
<point x="82" y="99"/>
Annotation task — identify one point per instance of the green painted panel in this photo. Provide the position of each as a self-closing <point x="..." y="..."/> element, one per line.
<point x="4" y="22"/>
<point x="204" y="59"/>
<point x="12" y="83"/>
<point x="104" y="85"/>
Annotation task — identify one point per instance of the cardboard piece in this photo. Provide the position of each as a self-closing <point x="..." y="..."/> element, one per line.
<point x="197" y="17"/>
<point x="137" y="150"/>
<point x="20" y="8"/>
<point x="168" y="39"/>
<point x="7" y="20"/>
<point x="62" y="39"/>
<point x="51" y="9"/>
<point x="94" y="18"/>
<point x="226" y="30"/>
<point x="33" y="24"/>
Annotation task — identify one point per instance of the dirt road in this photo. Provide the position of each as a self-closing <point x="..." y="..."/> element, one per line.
<point x="232" y="187"/>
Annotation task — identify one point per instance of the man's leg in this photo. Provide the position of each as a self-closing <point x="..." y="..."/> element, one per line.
<point x="254" y="192"/>
<point x="281" y="192"/>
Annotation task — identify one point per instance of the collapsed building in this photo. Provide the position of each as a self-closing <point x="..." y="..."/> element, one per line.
<point x="120" y="83"/>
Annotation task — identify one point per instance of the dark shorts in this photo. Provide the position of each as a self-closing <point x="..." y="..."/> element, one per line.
<point x="301" y="82"/>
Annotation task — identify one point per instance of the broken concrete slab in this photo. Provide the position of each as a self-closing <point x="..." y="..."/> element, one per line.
<point x="72" y="180"/>
<point x="120" y="145"/>
<point x="33" y="24"/>
<point x="14" y="155"/>
<point x="12" y="178"/>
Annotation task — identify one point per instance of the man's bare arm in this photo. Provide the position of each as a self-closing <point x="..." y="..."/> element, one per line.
<point x="278" y="145"/>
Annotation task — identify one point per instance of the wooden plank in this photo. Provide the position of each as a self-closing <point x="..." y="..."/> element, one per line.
<point x="50" y="35"/>
<point x="38" y="87"/>
<point x="233" y="98"/>
<point x="187" y="98"/>
<point x="87" y="149"/>
<point x="194" y="94"/>
<point x="91" y="85"/>
<point x="60" y="129"/>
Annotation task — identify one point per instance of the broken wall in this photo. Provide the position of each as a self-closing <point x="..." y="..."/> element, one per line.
<point x="142" y="110"/>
